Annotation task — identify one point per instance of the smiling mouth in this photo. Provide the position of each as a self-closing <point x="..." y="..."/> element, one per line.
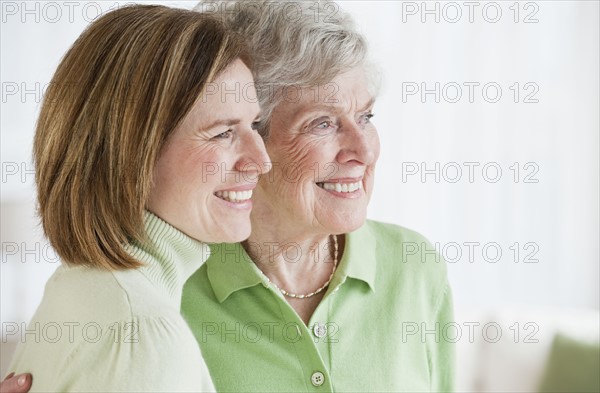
<point x="234" y="196"/>
<point x="341" y="187"/>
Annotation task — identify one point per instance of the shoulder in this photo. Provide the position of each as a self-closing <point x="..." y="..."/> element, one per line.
<point x="392" y="232"/>
<point x="197" y="296"/>
<point x="406" y="255"/>
<point x="197" y="285"/>
<point x="402" y="244"/>
<point x="98" y="330"/>
<point x="138" y="355"/>
<point x="110" y="310"/>
<point x="82" y="293"/>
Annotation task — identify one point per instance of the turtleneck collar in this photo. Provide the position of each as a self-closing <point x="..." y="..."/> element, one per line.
<point x="170" y="259"/>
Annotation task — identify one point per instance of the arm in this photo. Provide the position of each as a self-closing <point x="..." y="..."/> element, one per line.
<point x="442" y="353"/>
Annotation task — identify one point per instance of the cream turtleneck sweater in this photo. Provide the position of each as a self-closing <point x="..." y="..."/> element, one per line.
<point x="97" y="330"/>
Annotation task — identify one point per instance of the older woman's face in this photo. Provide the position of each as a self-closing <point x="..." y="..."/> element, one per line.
<point x="210" y="165"/>
<point x="323" y="149"/>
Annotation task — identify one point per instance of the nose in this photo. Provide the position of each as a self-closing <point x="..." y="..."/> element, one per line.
<point x="358" y="144"/>
<point x="253" y="155"/>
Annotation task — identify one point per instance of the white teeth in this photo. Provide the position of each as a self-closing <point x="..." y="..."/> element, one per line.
<point x="234" y="196"/>
<point x="339" y="187"/>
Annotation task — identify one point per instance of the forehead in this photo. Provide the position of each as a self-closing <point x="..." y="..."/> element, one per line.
<point x="234" y="87"/>
<point x="229" y="99"/>
<point x="346" y="92"/>
<point x="234" y="84"/>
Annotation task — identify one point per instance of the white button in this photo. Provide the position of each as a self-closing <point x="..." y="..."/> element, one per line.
<point x="319" y="330"/>
<point x="317" y="378"/>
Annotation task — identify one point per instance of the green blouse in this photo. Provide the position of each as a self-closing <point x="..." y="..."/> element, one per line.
<point x="379" y="327"/>
<point x="97" y="330"/>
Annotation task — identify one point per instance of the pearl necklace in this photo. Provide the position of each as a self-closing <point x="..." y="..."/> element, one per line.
<point x="311" y="294"/>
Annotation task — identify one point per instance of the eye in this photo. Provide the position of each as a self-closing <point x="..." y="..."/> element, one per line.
<point x="255" y="125"/>
<point x="366" y="118"/>
<point x="224" y="135"/>
<point x="323" y="124"/>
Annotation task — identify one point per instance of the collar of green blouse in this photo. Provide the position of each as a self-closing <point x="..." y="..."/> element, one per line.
<point x="230" y="269"/>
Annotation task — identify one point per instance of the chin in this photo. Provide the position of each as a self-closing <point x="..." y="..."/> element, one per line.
<point x="349" y="223"/>
<point x="236" y="236"/>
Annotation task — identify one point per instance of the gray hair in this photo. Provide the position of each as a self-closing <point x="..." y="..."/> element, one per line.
<point x="292" y="44"/>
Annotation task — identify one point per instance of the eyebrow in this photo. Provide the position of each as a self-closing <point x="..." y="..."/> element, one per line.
<point x="331" y="107"/>
<point x="228" y="122"/>
<point x="335" y="107"/>
<point x="369" y="104"/>
<point x="222" y="122"/>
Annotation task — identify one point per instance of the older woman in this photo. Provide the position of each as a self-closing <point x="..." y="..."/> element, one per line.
<point x="124" y="139"/>
<point x="318" y="299"/>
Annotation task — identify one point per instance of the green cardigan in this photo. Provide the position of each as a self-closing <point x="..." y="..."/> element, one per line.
<point x="379" y="327"/>
<point x="97" y="330"/>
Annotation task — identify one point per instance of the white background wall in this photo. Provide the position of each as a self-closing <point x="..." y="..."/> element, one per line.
<point x="550" y="210"/>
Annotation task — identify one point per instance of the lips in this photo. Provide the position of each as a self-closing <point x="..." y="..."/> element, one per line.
<point x="239" y="194"/>
<point x="234" y="196"/>
<point x="350" y="186"/>
<point x="341" y="186"/>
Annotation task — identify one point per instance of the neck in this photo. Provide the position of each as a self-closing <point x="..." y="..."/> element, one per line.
<point x="169" y="258"/>
<point x="294" y="261"/>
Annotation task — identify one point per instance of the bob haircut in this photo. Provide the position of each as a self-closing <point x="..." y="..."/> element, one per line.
<point x="117" y="95"/>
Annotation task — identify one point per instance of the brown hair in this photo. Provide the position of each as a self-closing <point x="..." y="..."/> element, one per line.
<point x="118" y="93"/>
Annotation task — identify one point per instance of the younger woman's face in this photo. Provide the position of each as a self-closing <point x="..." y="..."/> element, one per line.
<point x="210" y="164"/>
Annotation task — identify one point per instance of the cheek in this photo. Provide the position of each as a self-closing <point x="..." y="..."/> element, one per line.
<point x="377" y="147"/>
<point x="375" y="143"/>
<point x="204" y="164"/>
<point x="300" y="160"/>
<point x="183" y="167"/>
